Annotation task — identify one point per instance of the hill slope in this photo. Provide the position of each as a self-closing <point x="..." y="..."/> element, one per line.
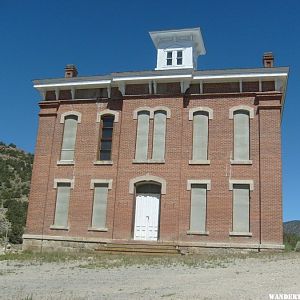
<point x="15" y="175"/>
<point x="292" y="227"/>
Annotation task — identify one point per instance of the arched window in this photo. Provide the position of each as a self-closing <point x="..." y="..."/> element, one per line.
<point x="69" y="137"/>
<point x="160" y="114"/>
<point x="159" y="135"/>
<point x="107" y="124"/>
<point x="141" y="147"/>
<point x="200" y="135"/>
<point x="200" y="117"/>
<point x="241" y="150"/>
<point x="241" y="116"/>
<point x="147" y="188"/>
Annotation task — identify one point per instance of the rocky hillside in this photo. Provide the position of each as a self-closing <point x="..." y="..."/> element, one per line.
<point x="15" y="175"/>
<point x="292" y="227"/>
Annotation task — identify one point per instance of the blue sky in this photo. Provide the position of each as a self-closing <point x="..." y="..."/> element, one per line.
<point x="38" y="38"/>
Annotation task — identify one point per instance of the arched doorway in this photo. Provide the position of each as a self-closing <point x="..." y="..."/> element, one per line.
<point x="147" y="207"/>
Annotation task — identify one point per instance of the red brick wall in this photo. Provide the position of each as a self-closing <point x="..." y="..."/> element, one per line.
<point x="175" y="204"/>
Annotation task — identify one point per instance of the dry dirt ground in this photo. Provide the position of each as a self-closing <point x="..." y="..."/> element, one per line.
<point x="251" y="276"/>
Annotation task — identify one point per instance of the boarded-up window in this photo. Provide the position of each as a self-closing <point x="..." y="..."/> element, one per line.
<point x="159" y="135"/>
<point x="240" y="221"/>
<point x="99" y="205"/>
<point x="141" y="150"/>
<point x="200" y="135"/>
<point x="69" y="138"/>
<point x="62" y="204"/>
<point x="241" y="135"/>
<point x="198" y="208"/>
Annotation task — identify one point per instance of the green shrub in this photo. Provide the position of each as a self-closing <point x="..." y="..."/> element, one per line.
<point x="16" y="214"/>
<point x="290" y="240"/>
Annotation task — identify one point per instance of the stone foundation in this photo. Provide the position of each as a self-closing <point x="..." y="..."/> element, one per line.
<point x="38" y="243"/>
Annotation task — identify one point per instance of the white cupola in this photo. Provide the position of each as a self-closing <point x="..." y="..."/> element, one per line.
<point x="178" y="49"/>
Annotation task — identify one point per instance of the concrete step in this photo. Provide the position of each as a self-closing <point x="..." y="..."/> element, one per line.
<point x="136" y="250"/>
<point x="142" y="248"/>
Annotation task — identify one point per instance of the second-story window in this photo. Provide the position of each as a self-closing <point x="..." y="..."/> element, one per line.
<point x="179" y="57"/>
<point x="69" y="138"/>
<point x="141" y="151"/>
<point x="169" y="58"/>
<point x="241" y="149"/>
<point x="106" y="137"/>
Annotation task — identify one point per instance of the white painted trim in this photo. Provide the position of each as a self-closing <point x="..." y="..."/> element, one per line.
<point x="241" y="181"/>
<point x="147" y="178"/>
<point x="241" y="107"/>
<point x="196" y="181"/>
<point x="143" y="108"/>
<point x="191" y="232"/>
<point x="151" y="77"/>
<point x="103" y="162"/>
<point x="65" y="162"/>
<point x="246" y="75"/>
<point x="108" y="112"/>
<point x="151" y="111"/>
<point x="59" y="227"/>
<point x="164" y="108"/>
<point x="97" y="229"/>
<point x="101" y="181"/>
<point x="70" y="113"/>
<point x="148" y="161"/>
<point x="79" y="83"/>
<point x="64" y="180"/>
<point x="233" y="233"/>
<point x="199" y="162"/>
<point x="200" y="108"/>
<point x="241" y="162"/>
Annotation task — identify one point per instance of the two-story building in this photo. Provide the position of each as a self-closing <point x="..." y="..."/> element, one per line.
<point x="175" y="155"/>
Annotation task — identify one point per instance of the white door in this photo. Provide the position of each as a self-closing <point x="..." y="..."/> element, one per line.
<point x="146" y="217"/>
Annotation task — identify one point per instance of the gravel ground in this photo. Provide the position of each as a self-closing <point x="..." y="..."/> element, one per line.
<point x="234" y="278"/>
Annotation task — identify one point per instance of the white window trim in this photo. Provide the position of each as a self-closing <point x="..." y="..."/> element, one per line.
<point x="108" y="112"/>
<point x="140" y="109"/>
<point x="199" y="109"/>
<point x="190" y="182"/>
<point x="101" y="181"/>
<point x="162" y="108"/>
<point x="174" y="56"/>
<point x="241" y="107"/>
<point x="147" y="178"/>
<point x="250" y="182"/>
<point x="192" y="232"/>
<point x="234" y="233"/>
<point x="206" y="182"/>
<point x="65" y="162"/>
<point x="64" y="180"/>
<point x="70" y="113"/>
<point x="199" y="162"/>
<point x="92" y="187"/>
<point x="152" y="111"/>
<point x="241" y="162"/>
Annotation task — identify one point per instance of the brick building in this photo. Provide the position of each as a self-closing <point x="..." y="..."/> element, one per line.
<point x="175" y="156"/>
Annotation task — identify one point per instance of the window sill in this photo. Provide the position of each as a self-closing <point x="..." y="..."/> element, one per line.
<point x="233" y="233"/>
<point x="191" y="232"/>
<point x="65" y="162"/>
<point x="56" y="227"/>
<point x="241" y="162"/>
<point x="199" y="162"/>
<point x="148" y="161"/>
<point x="103" y="162"/>
<point x="97" y="229"/>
